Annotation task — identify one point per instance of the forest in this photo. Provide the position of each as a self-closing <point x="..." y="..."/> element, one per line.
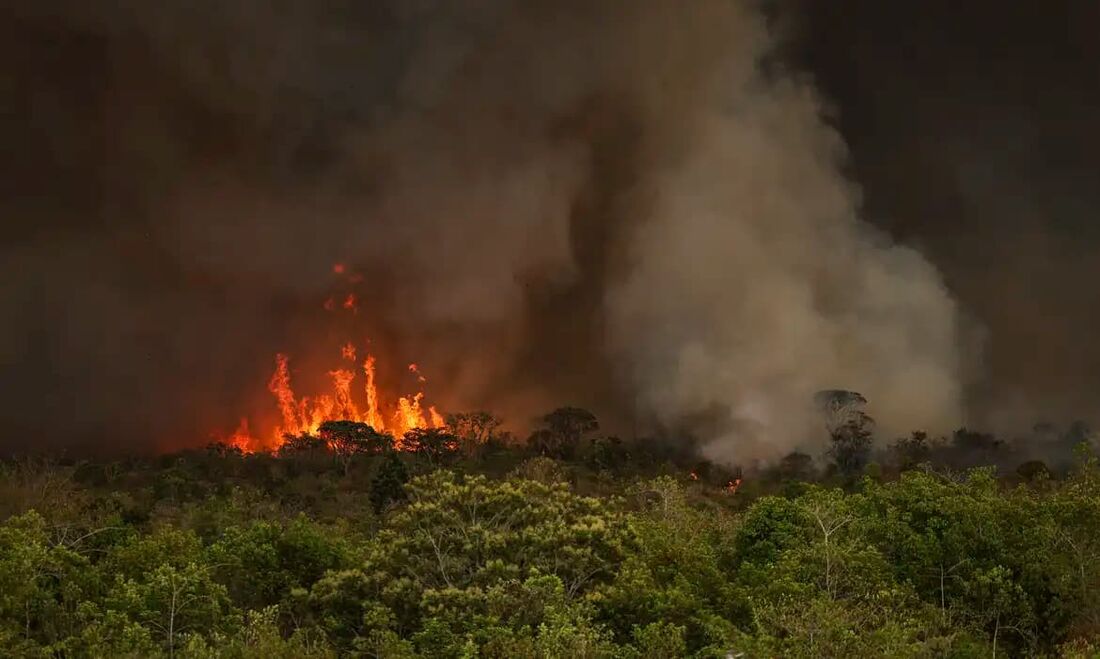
<point x="466" y="541"/>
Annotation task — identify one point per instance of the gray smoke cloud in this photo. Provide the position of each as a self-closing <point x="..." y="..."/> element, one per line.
<point x="624" y="205"/>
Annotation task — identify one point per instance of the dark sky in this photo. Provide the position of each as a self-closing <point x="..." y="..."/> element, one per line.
<point x="973" y="130"/>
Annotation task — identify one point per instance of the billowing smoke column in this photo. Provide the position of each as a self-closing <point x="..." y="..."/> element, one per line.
<point x="630" y="206"/>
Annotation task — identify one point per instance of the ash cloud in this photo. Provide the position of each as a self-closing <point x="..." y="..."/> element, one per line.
<point x="624" y="205"/>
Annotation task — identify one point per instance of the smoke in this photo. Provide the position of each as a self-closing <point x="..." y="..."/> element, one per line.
<point x="630" y="206"/>
<point x="979" y="146"/>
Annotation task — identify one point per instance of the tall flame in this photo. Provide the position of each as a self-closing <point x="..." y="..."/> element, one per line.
<point x="305" y="415"/>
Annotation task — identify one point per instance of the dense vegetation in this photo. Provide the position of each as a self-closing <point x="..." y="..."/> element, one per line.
<point x="468" y="543"/>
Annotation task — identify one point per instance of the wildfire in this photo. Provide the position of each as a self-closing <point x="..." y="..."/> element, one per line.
<point x="305" y="414"/>
<point x="351" y="398"/>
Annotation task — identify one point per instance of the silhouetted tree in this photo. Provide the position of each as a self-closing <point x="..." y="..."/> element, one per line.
<point x="304" y="444"/>
<point x="562" y="432"/>
<point x="346" y="439"/>
<point x="851" y="445"/>
<point x="607" y="453"/>
<point x="972" y="449"/>
<point x="849" y="429"/>
<point x="435" y="444"/>
<point x="912" y="450"/>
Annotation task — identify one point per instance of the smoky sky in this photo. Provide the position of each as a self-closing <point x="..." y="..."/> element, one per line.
<point x="656" y="209"/>
<point x="973" y="134"/>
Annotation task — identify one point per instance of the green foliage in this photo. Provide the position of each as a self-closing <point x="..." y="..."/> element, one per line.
<point x="263" y="562"/>
<point x="221" y="554"/>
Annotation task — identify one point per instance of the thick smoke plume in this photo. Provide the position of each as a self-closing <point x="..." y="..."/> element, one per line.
<point x="631" y="206"/>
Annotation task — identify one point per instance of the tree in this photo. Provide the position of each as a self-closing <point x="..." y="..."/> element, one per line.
<point x="796" y="466"/>
<point x="562" y="432"/>
<point x="849" y="429"/>
<point x="435" y="444"/>
<point x="850" y="449"/>
<point x="302" y="445"/>
<point x="912" y="450"/>
<point x="262" y="562"/>
<point x="474" y="430"/>
<point x="387" y="487"/>
<point x="346" y="439"/>
<point x="172" y="601"/>
<point x="458" y="532"/>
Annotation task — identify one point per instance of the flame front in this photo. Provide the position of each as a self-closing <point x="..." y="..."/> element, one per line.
<point x="305" y="415"/>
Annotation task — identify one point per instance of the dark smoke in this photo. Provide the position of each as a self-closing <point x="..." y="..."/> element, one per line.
<point x="973" y="132"/>
<point x="632" y="206"/>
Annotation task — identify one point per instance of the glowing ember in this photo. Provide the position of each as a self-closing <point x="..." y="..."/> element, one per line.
<point x="348" y="352"/>
<point x="694" y="476"/>
<point x="349" y="303"/>
<point x="338" y="268"/>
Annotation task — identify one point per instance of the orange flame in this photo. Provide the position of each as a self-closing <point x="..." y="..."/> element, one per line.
<point x="733" y="486"/>
<point x="306" y="414"/>
<point x="374" y="417"/>
<point x="241" y="438"/>
<point x="350" y="304"/>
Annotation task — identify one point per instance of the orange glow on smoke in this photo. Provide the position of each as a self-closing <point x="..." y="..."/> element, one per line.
<point x="353" y="396"/>
<point x="241" y="438"/>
